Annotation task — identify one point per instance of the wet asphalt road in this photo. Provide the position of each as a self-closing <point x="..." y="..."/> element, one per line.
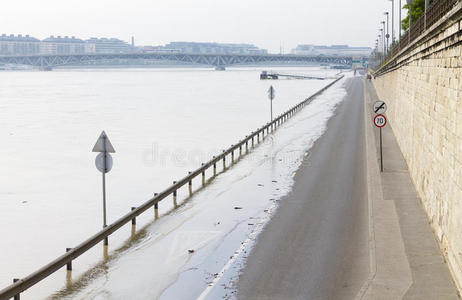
<point x="316" y="245"/>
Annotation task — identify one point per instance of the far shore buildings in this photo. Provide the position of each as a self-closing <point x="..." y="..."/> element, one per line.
<point x="334" y="50"/>
<point x="27" y="45"/>
<point x="205" y="48"/>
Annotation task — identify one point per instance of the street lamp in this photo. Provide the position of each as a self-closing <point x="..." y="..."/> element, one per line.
<point x="392" y="21"/>
<point x="388" y="30"/>
<point x="400" y="20"/>
<point x="410" y="2"/>
<point x="383" y="35"/>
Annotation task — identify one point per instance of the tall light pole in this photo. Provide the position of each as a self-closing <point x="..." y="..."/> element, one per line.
<point x="400" y="20"/>
<point x="393" y="21"/>
<point x="388" y="30"/>
<point x="380" y="43"/>
<point x="410" y="2"/>
<point x="383" y="36"/>
<point x="427" y="2"/>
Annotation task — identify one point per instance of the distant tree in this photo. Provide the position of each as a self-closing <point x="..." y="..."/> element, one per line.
<point x="417" y="10"/>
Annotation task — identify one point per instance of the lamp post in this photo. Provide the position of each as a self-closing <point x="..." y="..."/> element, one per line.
<point x="410" y="2"/>
<point x="400" y="20"/>
<point x="425" y="13"/>
<point x="387" y="35"/>
<point x="393" y="21"/>
<point x="383" y="36"/>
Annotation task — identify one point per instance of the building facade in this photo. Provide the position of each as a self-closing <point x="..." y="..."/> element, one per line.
<point x="19" y="45"/>
<point x="110" y="45"/>
<point x="211" y="48"/>
<point x="65" y="45"/>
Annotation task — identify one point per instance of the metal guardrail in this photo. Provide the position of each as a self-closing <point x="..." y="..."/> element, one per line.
<point x="436" y="10"/>
<point x="23" y="284"/>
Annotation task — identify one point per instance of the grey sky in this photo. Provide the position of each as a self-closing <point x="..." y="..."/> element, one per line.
<point x="265" y="23"/>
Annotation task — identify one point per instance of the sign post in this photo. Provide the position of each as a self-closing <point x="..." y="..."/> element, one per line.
<point x="103" y="163"/>
<point x="380" y="121"/>
<point x="271" y="96"/>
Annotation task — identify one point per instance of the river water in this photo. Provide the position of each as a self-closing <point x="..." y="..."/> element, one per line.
<point x="162" y="124"/>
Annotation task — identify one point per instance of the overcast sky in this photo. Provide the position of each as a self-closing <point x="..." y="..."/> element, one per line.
<point x="265" y="23"/>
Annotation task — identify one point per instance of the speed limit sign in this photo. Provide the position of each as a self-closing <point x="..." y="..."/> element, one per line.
<point x="380" y="121"/>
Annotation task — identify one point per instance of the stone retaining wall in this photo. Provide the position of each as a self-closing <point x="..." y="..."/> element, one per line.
<point x="423" y="92"/>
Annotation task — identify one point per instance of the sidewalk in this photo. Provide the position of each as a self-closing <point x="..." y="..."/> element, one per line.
<point x="406" y="262"/>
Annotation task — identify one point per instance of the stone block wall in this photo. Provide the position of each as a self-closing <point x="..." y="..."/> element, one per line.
<point x="423" y="92"/>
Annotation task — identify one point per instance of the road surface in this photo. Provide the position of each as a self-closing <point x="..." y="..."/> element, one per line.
<point x="316" y="244"/>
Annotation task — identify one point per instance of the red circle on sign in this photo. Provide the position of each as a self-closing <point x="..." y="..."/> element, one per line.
<point x="380" y="121"/>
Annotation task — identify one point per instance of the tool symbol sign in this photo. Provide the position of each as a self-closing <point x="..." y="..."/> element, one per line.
<point x="380" y="121"/>
<point x="380" y="107"/>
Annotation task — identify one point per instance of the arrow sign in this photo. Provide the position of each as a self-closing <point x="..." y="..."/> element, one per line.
<point x="271" y="93"/>
<point x="103" y="144"/>
<point x="103" y="163"/>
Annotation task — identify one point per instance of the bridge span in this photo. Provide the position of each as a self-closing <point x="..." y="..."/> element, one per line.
<point x="220" y="61"/>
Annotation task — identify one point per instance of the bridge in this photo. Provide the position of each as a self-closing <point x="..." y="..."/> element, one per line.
<point x="220" y="61"/>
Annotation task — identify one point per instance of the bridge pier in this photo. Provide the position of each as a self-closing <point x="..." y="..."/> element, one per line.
<point x="220" y="68"/>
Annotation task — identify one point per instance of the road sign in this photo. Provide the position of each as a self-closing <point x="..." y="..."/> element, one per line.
<point x="271" y="93"/>
<point x="380" y="121"/>
<point x="380" y="107"/>
<point x="103" y="144"/>
<point x="103" y="164"/>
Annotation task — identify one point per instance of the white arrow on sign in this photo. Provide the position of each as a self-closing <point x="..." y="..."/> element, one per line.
<point x="103" y="144"/>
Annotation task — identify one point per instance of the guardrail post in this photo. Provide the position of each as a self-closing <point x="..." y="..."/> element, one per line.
<point x="16" y="297"/>
<point x="253" y="144"/>
<point x="258" y="137"/>
<point x="247" y="146"/>
<point x="190" y="185"/>
<point x="203" y="177"/>
<point x="134" y="218"/>
<point x="69" y="264"/>
<point x="232" y="155"/>
<point x="156" y="208"/>
<point x="174" y="197"/>
<point x="240" y="150"/>
<point x="133" y="224"/>
<point x="224" y="161"/>
<point x="214" y="168"/>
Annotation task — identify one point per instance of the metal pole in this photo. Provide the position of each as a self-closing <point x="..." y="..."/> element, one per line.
<point x="400" y="20"/>
<point x="425" y="14"/>
<point x="106" y="242"/>
<point x="381" y="153"/>
<point x="271" y="109"/>
<point x="392" y="21"/>
<point x="388" y="31"/>
<point x="410" y="22"/>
